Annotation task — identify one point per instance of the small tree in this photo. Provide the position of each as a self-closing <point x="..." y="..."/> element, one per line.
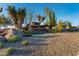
<point x="17" y="16"/>
<point x="12" y="12"/>
<point x="21" y="14"/>
<point x="51" y="16"/>
<point x="60" y="26"/>
<point x="47" y="22"/>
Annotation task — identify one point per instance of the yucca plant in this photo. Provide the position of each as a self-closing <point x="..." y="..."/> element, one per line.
<point x="17" y="16"/>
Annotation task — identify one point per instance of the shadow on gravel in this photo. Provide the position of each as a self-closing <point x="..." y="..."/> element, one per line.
<point x="40" y="36"/>
<point x="38" y="44"/>
<point x="22" y="52"/>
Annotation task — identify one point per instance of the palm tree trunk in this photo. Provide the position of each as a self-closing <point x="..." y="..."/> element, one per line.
<point x="19" y="25"/>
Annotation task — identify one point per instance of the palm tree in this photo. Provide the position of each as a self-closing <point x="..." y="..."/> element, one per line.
<point x="51" y="16"/>
<point x="21" y="14"/>
<point x="12" y="12"/>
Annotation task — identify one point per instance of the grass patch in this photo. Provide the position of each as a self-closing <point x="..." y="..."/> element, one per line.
<point x="25" y="43"/>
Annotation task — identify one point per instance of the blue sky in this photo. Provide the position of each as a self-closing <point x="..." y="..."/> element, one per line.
<point x="65" y="11"/>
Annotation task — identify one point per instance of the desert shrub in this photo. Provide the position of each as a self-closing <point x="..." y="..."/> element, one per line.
<point x="13" y="38"/>
<point x="60" y="26"/>
<point x="54" y="29"/>
<point x="25" y="43"/>
<point x="27" y="33"/>
<point x="8" y="51"/>
<point x="47" y="27"/>
<point x="1" y="45"/>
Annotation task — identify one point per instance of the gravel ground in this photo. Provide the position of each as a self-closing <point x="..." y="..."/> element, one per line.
<point x="59" y="44"/>
<point x="64" y="44"/>
<point x="36" y="43"/>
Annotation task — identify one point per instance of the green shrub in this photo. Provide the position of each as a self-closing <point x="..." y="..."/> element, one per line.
<point x="27" y="33"/>
<point x="13" y="38"/>
<point x="54" y="29"/>
<point x="8" y="51"/>
<point x="25" y="43"/>
<point x="1" y="45"/>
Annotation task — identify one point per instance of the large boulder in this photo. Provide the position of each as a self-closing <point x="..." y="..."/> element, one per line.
<point x="11" y="32"/>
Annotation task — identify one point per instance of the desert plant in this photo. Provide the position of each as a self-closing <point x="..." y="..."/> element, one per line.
<point x="21" y="14"/>
<point x="27" y="33"/>
<point x="1" y="45"/>
<point x="54" y="29"/>
<point x="25" y="43"/>
<point x="17" y="16"/>
<point x="51" y="16"/>
<point x="47" y="22"/>
<point x="13" y="12"/>
<point x="8" y="51"/>
<point x="13" y="38"/>
<point x="60" y="26"/>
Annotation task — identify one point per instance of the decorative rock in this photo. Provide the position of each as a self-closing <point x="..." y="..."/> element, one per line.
<point x="11" y="32"/>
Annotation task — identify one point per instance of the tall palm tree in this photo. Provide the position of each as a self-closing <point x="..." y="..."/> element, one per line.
<point x="51" y="16"/>
<point x="12" y="12"/>
<point x="21" y="14"/>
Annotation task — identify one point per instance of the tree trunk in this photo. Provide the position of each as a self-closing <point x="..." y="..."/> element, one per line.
<point x="30" y="28"/>
<point x="18" y="26"/>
